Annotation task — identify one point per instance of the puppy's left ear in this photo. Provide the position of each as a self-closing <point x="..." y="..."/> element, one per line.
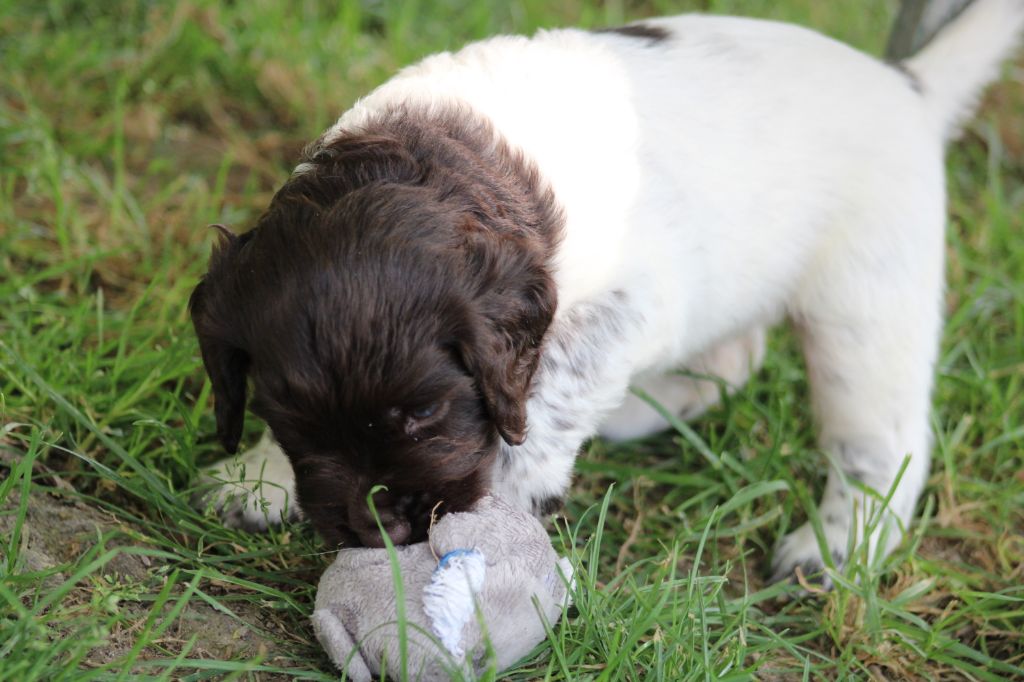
<point x="511" y="315"/>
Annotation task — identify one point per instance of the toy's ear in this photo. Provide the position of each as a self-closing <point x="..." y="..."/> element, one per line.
<point x="340" y="646"/>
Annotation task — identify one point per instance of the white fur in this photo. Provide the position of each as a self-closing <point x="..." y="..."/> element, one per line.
<point x="258" y="487"/>
<point x="737" y="172"/>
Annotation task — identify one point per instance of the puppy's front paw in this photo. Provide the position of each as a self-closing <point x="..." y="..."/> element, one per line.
<point x="253" y="491"/>
<point x="800" y="550"/>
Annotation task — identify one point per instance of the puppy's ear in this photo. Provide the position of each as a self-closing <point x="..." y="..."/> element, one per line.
<point x="226" y="364"/>
<point x="511" y="314"/>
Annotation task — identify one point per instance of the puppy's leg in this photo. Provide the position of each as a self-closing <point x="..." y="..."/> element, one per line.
<point x="687" y="397"/>
<point x="257" y="488"/>
<point x="870" y="322"/>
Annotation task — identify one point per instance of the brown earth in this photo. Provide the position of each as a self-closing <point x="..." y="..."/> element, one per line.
<point x="56" y="533"/>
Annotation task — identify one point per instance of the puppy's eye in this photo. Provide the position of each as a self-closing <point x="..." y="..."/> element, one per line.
<point x="425" y="412"/>
<point x="425" y="415"/>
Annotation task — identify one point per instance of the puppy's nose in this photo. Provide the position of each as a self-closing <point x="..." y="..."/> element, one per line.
<point x="398" y="529"/>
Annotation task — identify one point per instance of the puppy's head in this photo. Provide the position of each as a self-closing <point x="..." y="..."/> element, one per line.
<point x="388" y="309"/>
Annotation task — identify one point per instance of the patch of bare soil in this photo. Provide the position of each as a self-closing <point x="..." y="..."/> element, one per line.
<point x="58" y="530"/>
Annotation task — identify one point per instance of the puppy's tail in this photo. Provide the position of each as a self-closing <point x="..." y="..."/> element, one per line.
<point x="964" y="57"/>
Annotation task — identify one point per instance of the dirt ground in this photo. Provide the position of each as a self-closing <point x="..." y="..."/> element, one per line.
<point x="59" y="530"/>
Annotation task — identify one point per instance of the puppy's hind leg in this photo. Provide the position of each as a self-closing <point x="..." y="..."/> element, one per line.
<point x="689" y="393"/>
<point x="869" y="318"/>
<point x="254" y="490"/>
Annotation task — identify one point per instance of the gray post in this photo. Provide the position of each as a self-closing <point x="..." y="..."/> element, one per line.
<point x="917" y="22"/>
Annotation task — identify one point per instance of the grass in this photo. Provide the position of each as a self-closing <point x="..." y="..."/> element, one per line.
<point x="127" y="127"/>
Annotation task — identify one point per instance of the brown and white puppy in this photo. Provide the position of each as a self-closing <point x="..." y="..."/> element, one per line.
<point x="466" y="273"/>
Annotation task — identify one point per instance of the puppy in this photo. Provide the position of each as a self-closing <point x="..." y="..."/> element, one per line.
<point x="465" y="274"/>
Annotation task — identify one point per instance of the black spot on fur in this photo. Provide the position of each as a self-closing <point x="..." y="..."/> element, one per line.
<point x="853" y="461"/>
<point x="546" y="506"/>
<point x="812" y="570"/>
<point x="562" y="423"/>
<point x="857" y="474"/>
<point x="653" y="34"/>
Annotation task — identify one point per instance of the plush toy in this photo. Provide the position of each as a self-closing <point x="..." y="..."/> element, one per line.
<point x="485" y="576"/>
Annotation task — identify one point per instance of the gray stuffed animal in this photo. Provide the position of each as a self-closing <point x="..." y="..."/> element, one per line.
<point x="493" y="566"/>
